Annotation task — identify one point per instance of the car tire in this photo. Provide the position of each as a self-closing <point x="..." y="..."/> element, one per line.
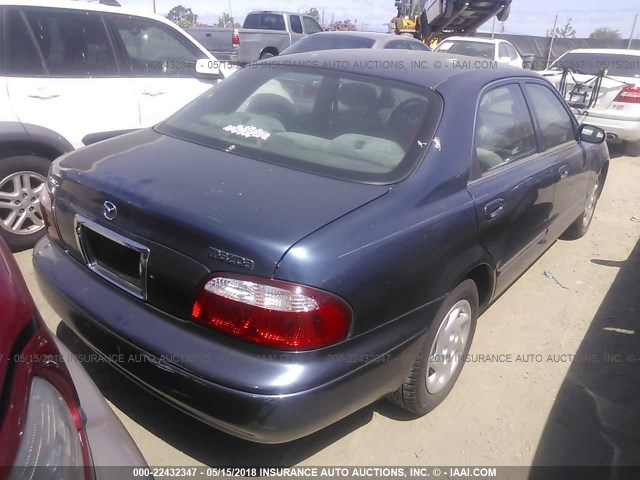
<point x="22" y="176"/>
<point x="447" y="8"/>
<point x="426" y="387"/>
<point x="266" y="55"/>
<point x="632" y="149"/>
<point x="580" y="226"/>
<point x="503" y="14"/>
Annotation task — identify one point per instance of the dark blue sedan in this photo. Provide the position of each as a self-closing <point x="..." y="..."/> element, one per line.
<point x="314" y="233"/>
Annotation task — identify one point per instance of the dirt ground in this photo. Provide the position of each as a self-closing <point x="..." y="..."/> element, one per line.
<point x="553" y="376"/>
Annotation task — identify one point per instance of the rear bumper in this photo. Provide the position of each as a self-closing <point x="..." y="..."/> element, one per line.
<point x="80" y="298"/>
<point x="624" y="130"/>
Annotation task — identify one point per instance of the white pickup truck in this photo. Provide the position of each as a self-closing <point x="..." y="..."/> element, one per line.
<point x="264" y="34"/>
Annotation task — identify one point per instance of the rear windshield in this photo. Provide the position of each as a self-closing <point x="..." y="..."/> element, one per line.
<point x="471" y="49"/>
<point x="591" y="63"/>
<point x="329" y="42"/>
<point x="351" y="127"/>
<point x="266" y="21"/>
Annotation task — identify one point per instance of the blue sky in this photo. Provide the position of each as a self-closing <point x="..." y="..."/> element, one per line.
<point x="532" y="17"/>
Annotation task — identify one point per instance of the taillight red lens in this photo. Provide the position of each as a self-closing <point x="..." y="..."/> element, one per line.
<point x="628" y="95"/>
<point x="273" y="313"/>
<point x="235" y="39"/>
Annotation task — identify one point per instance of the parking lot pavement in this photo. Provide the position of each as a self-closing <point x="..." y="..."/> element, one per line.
<point x="552" y="359"/>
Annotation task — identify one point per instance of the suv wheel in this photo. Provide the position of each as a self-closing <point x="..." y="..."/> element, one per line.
<point x="22" y="178"/>
<point x="443" y="352"/>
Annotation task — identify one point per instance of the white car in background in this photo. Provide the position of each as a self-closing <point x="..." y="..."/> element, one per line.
<point x="602" y="86"/>
<point x="72" y="73"/>
<point x="492" y="49"/>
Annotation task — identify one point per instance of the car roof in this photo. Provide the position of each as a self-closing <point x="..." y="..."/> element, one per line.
<point x="371" y="35"/>
<point x="278" y="12"/>
<point x="614" y="51"/>
<point x="423" y="68"/>
<point x="475" y="39"/>
<point x="77" y="5"/>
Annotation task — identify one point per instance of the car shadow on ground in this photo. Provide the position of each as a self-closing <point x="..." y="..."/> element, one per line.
<point x="616" y="150"/>
<point x="201" y="442"/>
<point x="595" y="419"/>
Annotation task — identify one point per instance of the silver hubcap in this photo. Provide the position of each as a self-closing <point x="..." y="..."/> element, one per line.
<point x="448" y="347"/>
<point x="591" y="205"/>
<point x="20" y="203"/>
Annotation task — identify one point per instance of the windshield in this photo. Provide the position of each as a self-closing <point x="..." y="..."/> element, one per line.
<point x="591" y="63"/>
<point x="329" y="42"/>
<point x="471" y="49"/>
<point x="351" y="127"/>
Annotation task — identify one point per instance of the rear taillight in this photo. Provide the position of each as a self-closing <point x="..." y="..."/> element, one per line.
<point x="628" y="95"/>
<point x="44" y="415"/>
<point x="50" y="436"/>
<point x="235" y="38"/>
<point x="273" y="313"/>
<point x="47" y="206"/>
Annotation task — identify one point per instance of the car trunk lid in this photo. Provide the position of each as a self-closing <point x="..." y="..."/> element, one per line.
<point x="189" y="203"/>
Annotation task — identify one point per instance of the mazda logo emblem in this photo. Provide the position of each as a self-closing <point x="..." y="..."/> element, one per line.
<point x="110" y="211"/>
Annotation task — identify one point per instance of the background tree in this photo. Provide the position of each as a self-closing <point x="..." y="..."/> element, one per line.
<point x="313" y="12"/>
<point x="227" y="21"/>
<point x="563" y="32"/>
<point x="182" y="16"/>
<point x="342" y="25"/>
<point x="605" y="33"/>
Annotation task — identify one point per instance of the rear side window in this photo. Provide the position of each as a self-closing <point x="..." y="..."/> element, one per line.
<point x="556" y="126"/>
<point x="399" y="45"/>
<point x="58" y="42"/>
<point x="469" y="48"/>
<point x="154" y="49"/>
<point x="265" y="21"/>
<point x="296" y="24"/>
<point x="329" y="42"/>
<point x="504" y="130"/>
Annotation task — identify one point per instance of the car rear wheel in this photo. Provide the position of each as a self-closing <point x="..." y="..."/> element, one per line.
<point x="22" y="178"/>
<point x="580" y="226"/>
<point x="266" y="55"/>
<point x="443" y="352"/>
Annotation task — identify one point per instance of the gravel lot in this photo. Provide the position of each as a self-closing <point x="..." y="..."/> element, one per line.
<point x="553" y="375"/>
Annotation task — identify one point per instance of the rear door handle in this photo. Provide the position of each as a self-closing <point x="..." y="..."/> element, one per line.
<point x="563" y="171"/>
<point x="43" y="93"/>
<point x="494" y="208"/>
<point x="152" y="93"/>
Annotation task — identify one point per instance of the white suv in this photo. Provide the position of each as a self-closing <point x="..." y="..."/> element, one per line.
<point x="72" y="73"/>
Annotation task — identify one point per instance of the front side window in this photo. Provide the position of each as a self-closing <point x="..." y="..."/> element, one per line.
<point x="311" y="26"/>
<point x="556" y="126"/>
<point x="60" y="42"/>
<point x="504" y="130"/>
<point x="154" y="49"/>
<point x="340" y="125"/>
<point x="511" y="52"/>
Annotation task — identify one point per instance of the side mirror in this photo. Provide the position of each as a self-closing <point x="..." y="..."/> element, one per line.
<point x="208" y="69"/>
<point x="591" y="134"/>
